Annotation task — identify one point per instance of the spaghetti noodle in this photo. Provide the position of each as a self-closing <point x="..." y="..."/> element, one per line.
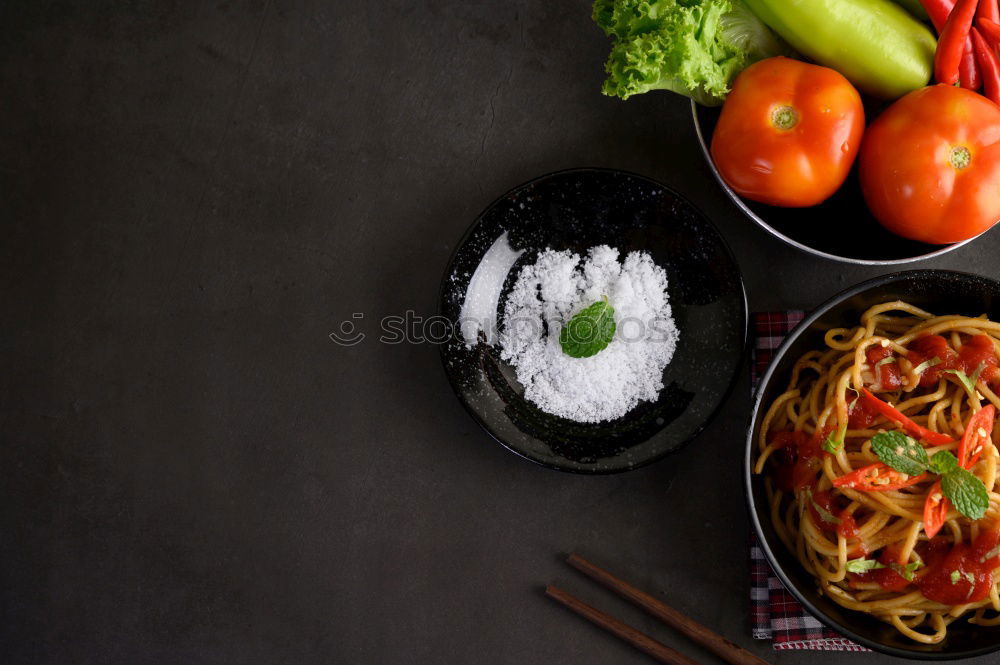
<point x="881" y="468"/>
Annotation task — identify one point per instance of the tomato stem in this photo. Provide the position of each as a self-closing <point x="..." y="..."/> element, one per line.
<point x="784" y="117"/>
<point x="960" y="157"/>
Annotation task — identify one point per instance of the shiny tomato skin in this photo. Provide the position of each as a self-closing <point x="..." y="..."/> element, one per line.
<point x="906" y="169"/>
<point x="796" y="167"/>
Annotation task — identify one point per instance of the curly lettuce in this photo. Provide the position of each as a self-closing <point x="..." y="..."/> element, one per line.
<point x="692" y="47"/>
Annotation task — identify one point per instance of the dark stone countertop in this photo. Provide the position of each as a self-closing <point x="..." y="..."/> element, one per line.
<point x="196" y="195"/>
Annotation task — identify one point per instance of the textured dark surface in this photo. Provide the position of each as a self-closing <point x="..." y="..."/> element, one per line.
<point x="194" y="196"/>
<point x="933" y="291"/>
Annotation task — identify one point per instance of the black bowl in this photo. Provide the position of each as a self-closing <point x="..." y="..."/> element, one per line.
<point x="937" y="291"/>
<point x="576" y="210"/>
<point x="839" y="229"/>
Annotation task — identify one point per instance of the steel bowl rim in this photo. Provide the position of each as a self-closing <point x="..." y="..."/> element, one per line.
<point x="745" y="209"/>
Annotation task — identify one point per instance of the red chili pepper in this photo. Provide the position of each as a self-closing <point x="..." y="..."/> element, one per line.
<point x="952" y="41"/>
<point x="990" y="30"/>
<point x="935" y="511"/>
<point x="911" y="428"/>
<point x="937" y="11"/>
<point x="877" y="478"/>
<point x="988" y="10"/>
<point x="986" y="56"/>
<point x="971" y="445"/>
<point x="969" y="69"/>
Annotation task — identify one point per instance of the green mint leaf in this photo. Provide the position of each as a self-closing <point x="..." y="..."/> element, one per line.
<point x="861" y="566"/>
<point x="906" y="572"/>
<point x="926" y="365"/>
<point x="955" y="575"/>
<point x="885" y="361"/>
<point x="590" y="331"/>
<point x="963" y="377"/>
<point x="966" y="493"/>
<point x="900" y="452"/>
<point x="857" y="396"/>
<point x="969" y="382"/>
<point x="832" y="445"/>
<point x="825" y="514"/>
<point x="943" y="462"/>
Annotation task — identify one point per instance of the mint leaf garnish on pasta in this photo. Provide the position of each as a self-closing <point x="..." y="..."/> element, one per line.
<point x="966" y="493"/>
<point x="901" y="452"/>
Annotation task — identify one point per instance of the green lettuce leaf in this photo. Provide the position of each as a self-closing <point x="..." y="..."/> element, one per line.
<point x="691" y="47"/>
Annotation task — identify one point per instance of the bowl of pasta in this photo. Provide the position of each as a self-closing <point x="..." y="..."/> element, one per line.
<point x="872" y="469"/>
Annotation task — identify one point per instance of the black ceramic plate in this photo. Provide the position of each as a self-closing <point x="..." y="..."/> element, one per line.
<point x="577" y="210"/>
<point x="937" y="291"/>
<point x="841" y="228"/>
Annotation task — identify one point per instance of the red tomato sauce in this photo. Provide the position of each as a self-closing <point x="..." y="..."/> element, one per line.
<point x="976" y="350"/>
<point x="887" y="376"/>
<point x="845" y="525"/>
<point x="861" y="415"/>
<point x="929" y="347"/>
<point x="798" y="460"/>
<point x="888" y="577"/>
<point x="963" y="573"/>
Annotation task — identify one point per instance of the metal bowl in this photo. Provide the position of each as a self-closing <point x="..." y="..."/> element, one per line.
<point x="839" y="229"/>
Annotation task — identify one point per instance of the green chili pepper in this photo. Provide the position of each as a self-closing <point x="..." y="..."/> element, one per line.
<point x="876" y="44"/>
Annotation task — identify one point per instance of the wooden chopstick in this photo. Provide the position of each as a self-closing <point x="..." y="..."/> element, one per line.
<point x="704" y="636"/>
<point x="623" y="631"/>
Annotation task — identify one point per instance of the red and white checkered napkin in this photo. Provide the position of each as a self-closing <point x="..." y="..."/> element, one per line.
<point x="775" y="613"/>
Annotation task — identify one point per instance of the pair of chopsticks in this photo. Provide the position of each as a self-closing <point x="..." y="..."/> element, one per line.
<point x="707" y="638"/>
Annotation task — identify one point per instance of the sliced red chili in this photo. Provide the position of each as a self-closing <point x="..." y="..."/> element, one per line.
<point x="911" y="428"/>
<point x="876" y="477"/>
<point x="972" y="443"/>
<point x="935" y="510"/>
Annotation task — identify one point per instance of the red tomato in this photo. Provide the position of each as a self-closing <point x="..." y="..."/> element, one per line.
<point x="788" y="133"/>
<point x="930" y="165"/>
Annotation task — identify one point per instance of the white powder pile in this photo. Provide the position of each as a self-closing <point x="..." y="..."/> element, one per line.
<point x="609" y="384"/>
